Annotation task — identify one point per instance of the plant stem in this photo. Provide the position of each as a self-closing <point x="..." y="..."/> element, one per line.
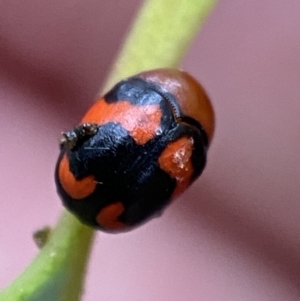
<point x="58" y="271"/>
<point x="160" y="36"/>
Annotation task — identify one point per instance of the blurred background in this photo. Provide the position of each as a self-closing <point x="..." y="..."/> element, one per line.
<point x="235" y="235"/>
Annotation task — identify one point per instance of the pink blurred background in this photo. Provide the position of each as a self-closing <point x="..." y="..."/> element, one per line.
<point x="235" y="235"/>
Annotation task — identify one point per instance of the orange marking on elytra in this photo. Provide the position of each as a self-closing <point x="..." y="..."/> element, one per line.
<point x="142" y="122"/>
<point x="177" y="162"/>
<point x="108" y="217"/>
<point x="76" y="189"/>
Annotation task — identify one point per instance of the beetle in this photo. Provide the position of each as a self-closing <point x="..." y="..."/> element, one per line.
<point x="135" y="150"/>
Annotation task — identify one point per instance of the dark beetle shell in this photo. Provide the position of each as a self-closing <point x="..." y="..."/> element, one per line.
<point x="136" y="149"/>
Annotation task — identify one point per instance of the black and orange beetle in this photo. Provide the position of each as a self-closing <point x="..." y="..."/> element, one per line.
<point x="136" y="149"/>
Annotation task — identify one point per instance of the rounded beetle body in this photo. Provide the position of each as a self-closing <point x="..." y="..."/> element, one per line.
<point x="136" y="149"/>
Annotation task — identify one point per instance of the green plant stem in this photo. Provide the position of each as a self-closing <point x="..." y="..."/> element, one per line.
<point x="57" y="272"/>
<point x="159" y="37"/>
